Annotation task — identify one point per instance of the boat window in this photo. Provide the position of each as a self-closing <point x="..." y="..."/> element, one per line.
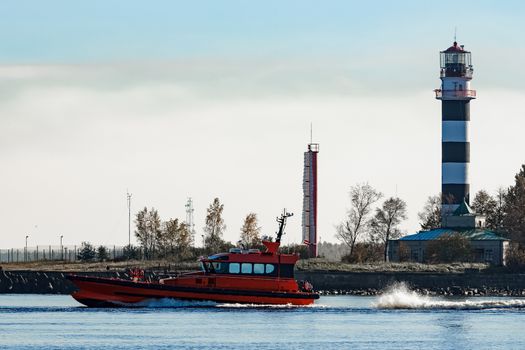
<point x="258" y="269"/>
<point x="203" y="268"/>
<point x="234" y="268"/>
<point x="269" y="268"/>
<point x="220" y="267"/>
<point x="246" y="268"/>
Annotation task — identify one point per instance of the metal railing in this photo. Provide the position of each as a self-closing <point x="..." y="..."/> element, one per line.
<point x="453" y="94"/>
<point x="53" y="253"/>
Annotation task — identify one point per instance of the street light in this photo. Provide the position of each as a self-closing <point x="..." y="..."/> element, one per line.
<point x="61" y="249"/>
<point x="25" y="253"/>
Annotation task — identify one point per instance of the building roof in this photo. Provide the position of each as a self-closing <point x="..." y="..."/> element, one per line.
<point x="463" y="209"/>
<point x="455" y="48"/>
<point x="472" y="234"/>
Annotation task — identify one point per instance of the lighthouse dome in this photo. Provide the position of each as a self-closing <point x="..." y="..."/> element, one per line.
<point x="455" y="48"/>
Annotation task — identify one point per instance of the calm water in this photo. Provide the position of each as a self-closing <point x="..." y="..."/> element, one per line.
<point x="336" y="322"/>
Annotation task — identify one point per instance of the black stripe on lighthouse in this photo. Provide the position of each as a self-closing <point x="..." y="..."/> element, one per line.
<point x="455" y="110"/>
<point x="455" y="152"/>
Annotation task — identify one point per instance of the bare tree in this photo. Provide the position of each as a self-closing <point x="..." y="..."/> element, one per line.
<point x="250" y="231"/>
<point x="384" y="224"/>
<point x="430" y="217"/>
<point x="214" y="226"/>
<point x="148" y="230"/>
<point x="355" y="225"/>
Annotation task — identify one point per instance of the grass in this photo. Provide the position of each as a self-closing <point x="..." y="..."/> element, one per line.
<point x="318" y="264"/>
<point x="101" y="266"/>
<point x="324" y="265"/>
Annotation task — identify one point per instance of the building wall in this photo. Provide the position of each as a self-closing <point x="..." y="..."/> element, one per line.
<point x="484" y="251"/>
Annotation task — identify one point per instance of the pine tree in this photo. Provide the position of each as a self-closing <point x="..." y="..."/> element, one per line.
<point x="514" y="218"/>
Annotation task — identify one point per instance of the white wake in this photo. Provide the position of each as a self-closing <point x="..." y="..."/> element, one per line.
<point x="399" y="296"/>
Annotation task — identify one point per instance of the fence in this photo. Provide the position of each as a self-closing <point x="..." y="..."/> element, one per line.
<point x="52" y="253"/>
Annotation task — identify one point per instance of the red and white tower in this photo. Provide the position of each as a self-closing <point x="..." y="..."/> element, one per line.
<point x="310" y="199"/>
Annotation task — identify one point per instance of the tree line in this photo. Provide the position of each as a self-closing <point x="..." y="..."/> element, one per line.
<point x="366" y="228"/>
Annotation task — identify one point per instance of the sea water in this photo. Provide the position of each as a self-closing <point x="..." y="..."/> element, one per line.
<point x="398" y="319"/>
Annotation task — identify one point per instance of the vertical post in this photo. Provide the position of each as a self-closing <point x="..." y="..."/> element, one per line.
<point x="61" y="248"/>
<point x="129" y="218"/>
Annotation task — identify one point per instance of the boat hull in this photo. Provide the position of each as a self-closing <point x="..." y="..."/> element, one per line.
<point x="109" y="292"/>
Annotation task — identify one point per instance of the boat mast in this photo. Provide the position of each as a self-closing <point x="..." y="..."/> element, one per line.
<point x="282" y="223"/>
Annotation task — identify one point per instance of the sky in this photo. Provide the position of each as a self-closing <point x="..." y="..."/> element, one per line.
<point x="204" y="99"/>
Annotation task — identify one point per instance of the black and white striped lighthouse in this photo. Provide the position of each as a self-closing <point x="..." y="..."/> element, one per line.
<point x="455" y="95"/>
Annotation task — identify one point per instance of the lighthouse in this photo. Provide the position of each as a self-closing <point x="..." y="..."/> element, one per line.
<point x="455" y="95"/>
<point x="310" y="199"/>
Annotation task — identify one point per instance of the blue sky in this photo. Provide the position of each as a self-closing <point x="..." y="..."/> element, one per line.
<point x="91" y="92"/>
<point x="75" y="31"/>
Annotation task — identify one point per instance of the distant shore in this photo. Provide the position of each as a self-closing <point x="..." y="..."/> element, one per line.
<point x="328" y="278"/>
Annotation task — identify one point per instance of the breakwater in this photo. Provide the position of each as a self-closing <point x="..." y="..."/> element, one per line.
<point x="371" y="283"/>
<point x="327" y="282"/>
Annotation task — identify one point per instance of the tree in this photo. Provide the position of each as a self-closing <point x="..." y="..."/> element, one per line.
<point x="514" y="218"/>
<point x="493" y="208"/>
<point x="215" y="227"/>
<point x="148" y="231"/>
<point x="102" y="253"/>
<point x="87" y="252"/>
<point x="384" y="224"/>
<point x="449" y="248"/>
<point x="495" y="221"/>
<point x="430" y="217"/>
<point x="250" y="231"/>
<point x="483" y="203"/>
<point x="131" y="252"/>
<point x="177" y="238"/>
<point x="355" y="225"/>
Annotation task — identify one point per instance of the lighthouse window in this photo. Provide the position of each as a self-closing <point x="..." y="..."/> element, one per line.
<point x="234" y="268"/>
<point x="269" y="268"/>
<point x="258" y="269"/>
<point x="246" y="268"/>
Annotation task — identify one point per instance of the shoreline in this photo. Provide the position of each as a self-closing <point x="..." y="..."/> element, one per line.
<point x="324" y="282"/>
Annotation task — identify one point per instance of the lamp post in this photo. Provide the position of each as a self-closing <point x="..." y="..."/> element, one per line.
<point x="25" y="253"/>
<point x="61" y="248"/>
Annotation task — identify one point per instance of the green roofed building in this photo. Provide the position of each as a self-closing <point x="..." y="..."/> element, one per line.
<point x="487" y="246"/>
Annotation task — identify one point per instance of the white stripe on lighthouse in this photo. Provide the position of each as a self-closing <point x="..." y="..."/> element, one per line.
<point x="454" y="131"/>
<point x="454" y="173"/>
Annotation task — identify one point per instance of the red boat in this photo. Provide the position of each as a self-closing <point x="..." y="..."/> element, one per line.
<point x="240" y="276"/>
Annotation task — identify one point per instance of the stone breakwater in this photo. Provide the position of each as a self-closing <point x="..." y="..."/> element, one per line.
<point x="325" y="282"/>
<point x="373" y="283"/>
<point x="50" y="282"/>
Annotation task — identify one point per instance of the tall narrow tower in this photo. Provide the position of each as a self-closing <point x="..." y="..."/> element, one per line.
<point x="455" y="95"/>
<point x="190" y="223"/>
<point x="310" y="199"/>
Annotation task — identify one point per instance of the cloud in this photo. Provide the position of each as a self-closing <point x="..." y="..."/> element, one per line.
<point x="73" y="138"/>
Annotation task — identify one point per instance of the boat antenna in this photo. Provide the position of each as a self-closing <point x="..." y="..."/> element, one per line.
<point x="282" y="223"/>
